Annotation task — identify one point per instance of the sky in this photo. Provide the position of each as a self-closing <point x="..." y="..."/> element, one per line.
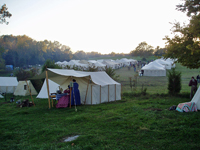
<point x="102" y="26"/>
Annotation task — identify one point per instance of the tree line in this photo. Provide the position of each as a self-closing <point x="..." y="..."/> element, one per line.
<point x="23" y="50"/>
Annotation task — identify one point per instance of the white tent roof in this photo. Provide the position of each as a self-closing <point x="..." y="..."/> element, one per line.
<point x="8" y="81"/>
<point x="96" y="77"/>
<point x="153" y="66"/>
<point x="8" y="84"/>
<point x="92" y="61"/>
<point x="99" y="64"/>
<point x="163" y="62"/>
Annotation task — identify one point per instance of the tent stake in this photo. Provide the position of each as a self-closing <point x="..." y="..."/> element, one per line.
<point x="30" y="93"/>
<point x="47" y="81"/>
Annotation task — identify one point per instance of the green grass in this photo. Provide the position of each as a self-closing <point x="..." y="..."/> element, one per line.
<point x="154" y="85"/>
<point x="135" y="122"/>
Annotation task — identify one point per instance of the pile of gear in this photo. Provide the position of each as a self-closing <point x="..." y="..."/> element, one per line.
<point x="24" y="103"/>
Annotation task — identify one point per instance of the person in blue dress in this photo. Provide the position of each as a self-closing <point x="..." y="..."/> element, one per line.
<point x="75" y="94"/>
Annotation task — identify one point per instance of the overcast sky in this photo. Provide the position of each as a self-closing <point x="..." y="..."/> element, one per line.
<point x="103" y="26"/>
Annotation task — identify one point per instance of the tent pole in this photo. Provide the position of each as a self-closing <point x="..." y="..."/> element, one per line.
<point x="121" y="91"/>
<point x="100" y="94"/>
<point x="30" y="93"/>
<point x="91" y="94"/>
<point x="115" y="92"/>
<point x="71" y="84"/>
<point x="47" y="81"/>
<point x="86" y="91"/>
<point x="108" y="92"/>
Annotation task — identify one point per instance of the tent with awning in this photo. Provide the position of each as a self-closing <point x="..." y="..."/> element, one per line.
<point x="94" y="87"/>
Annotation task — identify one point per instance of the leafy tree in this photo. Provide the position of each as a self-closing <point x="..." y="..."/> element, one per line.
<point x="174" y="81"/>
<point x="4" y="14"/>
<point x="50" y="64"/>
<point x="112" y="54"/>
<point x="143" y="50"/>
<point x="190" y="6"/>
<point x="159" y="51"/>
<point x="80" y="55"/>
<point x="185" y="45"/>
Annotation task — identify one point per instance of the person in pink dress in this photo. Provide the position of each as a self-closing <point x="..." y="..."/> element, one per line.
<point x="64" y="100"/>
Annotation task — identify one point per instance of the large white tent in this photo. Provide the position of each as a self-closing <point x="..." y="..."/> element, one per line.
<point x="154" y="69"/>
<point x="95" y="87"/>
<point x="8" y="84"/>
<point x="24" y="88"/>
<point x="196" y="98"/>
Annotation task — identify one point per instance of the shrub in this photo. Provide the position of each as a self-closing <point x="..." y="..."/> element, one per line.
<point x="111" y="72"/>
<point x="174" y="82"/>
<point x="50" y="64"/>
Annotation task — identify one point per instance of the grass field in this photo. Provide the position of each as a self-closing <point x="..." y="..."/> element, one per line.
<point x="154" y="84"/>
<point x="135" y="122"/>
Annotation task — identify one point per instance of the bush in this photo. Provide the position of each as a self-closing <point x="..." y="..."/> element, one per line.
<point x="174" y="82"/>
<point x="50" y="64"/>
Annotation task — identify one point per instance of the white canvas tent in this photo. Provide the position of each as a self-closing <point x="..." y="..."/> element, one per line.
<point x="94" y="87"/>
<point x="53" y="87"/>
<point x="23" y="89"/>
<point x="196" y="98"/>
<point x="8" y="84"/>
<point x="167" y="64"/>
<point x="154" y="69"/>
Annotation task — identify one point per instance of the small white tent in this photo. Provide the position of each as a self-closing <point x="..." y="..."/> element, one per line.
<point x="154" y="69"/>
<point x="95" y="87"/>
<point x="23" y="89"/>
<point x="53" y="87"/>
<point x="8" y="84"/>
<point x="196" y="98"/>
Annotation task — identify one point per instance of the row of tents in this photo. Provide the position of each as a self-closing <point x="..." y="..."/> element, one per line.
<point x="21" y="88"/>
<point x="158" y="67"/>
<point x="99" y="64"/>
<point x="94" y="87"/>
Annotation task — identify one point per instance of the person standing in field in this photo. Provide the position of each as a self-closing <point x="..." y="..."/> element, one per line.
<point x="198" y="79"/>
<point x="193" y="84"/>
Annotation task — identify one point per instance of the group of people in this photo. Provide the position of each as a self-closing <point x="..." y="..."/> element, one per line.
<point x="75" y="96"/>
<point x="193" y="83"/>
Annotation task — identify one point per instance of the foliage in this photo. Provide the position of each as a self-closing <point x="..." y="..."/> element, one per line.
<point x="50" y="64"/>
<point x="185" y="45"/>
<point x="190" y="6"/>
<point x="111" y="72"/>
<point x="159" y="51"/>
<point x="22" y="74"/>
<point x="92" y="69"/>
<point x="174" y="81"/>
<point x="143" y="50"/>
<point x="4" y="14"/>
